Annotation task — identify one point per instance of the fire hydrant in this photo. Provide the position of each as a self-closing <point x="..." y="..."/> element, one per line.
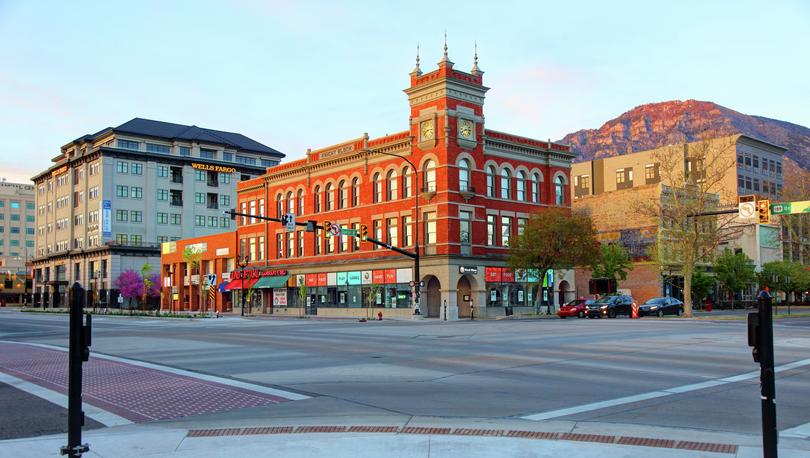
<point x="379" y="316"/>
<point x="635" y="311"/>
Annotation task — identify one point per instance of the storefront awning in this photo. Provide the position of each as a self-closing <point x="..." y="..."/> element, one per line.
<point x="272" y="282"/>
<point x="223" y="287"/>
<point x="237" y="284"/>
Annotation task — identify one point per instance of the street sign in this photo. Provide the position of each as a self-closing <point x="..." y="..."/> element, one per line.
<point x="120" y="299"/>
<point x="747" y="210"/>
<point x="290" y="223"/>
<point x="334" y="229"/>
<point x="347" y="231"/>
<point x="211" y="279"/>
<point x="789" y="208"/>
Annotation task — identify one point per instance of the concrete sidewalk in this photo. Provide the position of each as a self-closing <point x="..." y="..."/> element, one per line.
<point x="352" y="442"/>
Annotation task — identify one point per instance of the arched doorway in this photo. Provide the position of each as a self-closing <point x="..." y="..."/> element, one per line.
<point x="433" y="297"/>
<point x="463" y="295"/>
<point x="562" y="291"/>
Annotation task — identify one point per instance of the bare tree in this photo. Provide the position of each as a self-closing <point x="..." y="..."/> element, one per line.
<point x="695" y="180"/>
<point x="796" y="227"/>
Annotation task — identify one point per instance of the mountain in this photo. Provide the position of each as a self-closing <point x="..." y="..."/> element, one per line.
<point x="657" y="124"/>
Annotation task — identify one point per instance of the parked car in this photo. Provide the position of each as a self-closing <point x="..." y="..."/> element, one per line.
<point x="661" y="306"/>
<point x="611" y="306"/>
<point x="577" y="308"/>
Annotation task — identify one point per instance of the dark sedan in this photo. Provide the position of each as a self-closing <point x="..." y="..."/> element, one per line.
<point x="661" y="306"/>
<point x="611" y="306"/>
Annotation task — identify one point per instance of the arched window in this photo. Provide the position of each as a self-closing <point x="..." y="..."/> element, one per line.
<point x="520" y="186"/>
<point x="377" y="187"/>
<point x="316" y="199"/>
<point x="407" y="185"/>
<point x="329" y="197"/>
<point x="464" y="175"/>
<point x="290" y="202"/>
<point x="279" y="205"/>
<point x="355" y="192"/>
<point x="535" y="190"/>
<point x="506" y="183"/>
<point x="391" y="185"/>
<point x="559" y="191"/>
<point x="300" y="201"/>
<point x="490" y="181"/>
<point x="429" y="174"/>
<point x="342" y="197"/>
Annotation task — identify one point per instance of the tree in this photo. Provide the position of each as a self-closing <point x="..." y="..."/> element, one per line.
<point x="702" y="285"/>
<point x="147" y="283"/>
<point x="785" y="276"/>
<point x="192" y="256"/>
<point x="694" y="181"/>
<point x="371" y="298"/>
<point x="614" y="261"/>
<point x="734" y="271"/>
<point x="302" y="296"/>
<point x="130" y="284"/>
<point x="553" y="239"/>
<point x="795" y="227"/>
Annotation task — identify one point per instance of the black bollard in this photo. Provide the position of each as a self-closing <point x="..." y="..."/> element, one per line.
<point x="79" y="351"/>
<point x="764" y="351"/>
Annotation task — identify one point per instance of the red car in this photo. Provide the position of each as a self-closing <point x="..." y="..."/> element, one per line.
<point x="577" y="308"/>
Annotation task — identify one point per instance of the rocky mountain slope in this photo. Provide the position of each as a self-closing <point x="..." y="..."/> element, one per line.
<point x="658" y="124"/>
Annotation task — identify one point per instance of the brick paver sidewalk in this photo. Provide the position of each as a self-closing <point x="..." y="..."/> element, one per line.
<point x="136" y="393"/>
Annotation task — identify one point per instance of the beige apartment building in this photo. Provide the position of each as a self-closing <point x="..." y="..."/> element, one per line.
<point x="111" y="198"/>
<point x="607" y="187"/>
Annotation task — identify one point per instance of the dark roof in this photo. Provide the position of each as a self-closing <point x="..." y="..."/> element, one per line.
<point x="168" y="130"/>
<point x="171" y="131"/>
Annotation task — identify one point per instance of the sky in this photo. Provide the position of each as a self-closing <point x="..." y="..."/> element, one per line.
<point x="297" y="74"/>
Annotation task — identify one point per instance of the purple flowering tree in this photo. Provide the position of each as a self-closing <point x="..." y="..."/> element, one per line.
<point x="130" y="284"/>
<point x="154" y="288"/>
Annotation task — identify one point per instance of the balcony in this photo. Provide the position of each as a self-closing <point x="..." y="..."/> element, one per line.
<point x="176" y="202"/>
<point x="467" y="192"/>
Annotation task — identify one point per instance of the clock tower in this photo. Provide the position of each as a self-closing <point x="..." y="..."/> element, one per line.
<point x="447" y="107"/>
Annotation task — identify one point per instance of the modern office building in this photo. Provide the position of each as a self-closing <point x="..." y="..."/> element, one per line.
<point x="610" y="188"/>
<point x="460" y="189"/>
<point x="112" y="197"/>
<point x="17" y="239"/>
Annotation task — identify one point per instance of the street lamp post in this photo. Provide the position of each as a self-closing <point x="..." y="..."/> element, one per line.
<point x="171" y="288"/>
<point x="418" y="278"/>
<point x="242" y="261"/>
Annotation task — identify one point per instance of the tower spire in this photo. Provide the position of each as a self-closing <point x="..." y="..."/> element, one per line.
<point x="445" y="60"/>
<point x="416" y="70"/>
<point x="475" y="70"/>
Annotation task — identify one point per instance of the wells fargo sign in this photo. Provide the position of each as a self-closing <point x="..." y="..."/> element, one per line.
<point x="258" y="273"/>
<point x="213" y="167"/>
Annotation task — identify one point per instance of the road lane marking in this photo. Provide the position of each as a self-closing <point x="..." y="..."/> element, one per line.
<point x="804" y="429"/>
<point x="102" y="416"/>
<point x="195" y="375"/>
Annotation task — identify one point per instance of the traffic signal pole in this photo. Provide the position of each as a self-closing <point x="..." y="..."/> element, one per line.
<point x="78" y="353"/>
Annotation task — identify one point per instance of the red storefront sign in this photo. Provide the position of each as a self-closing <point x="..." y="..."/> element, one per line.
<point x="493" y="274"/>
<point x="508" y="276"/>
<point x="312" y="279"/>
<point x="253" y="273"/>
<point x="390" y="276"/>
<point x="322" y="279"/>
<point x="378" y="277"/>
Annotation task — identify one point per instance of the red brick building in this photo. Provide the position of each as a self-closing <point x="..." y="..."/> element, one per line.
<point x="475" y="187"/>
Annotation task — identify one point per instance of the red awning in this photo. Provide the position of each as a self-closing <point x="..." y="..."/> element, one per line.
<point x="237" y="284"/>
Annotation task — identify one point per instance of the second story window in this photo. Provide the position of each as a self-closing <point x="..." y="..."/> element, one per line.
<point x="342" y="199"/>
<point x="535" y="188"/>
<point x="520" y="186"/>
<point x="490" y="181"/>
<point x="391" y="185"/>
<point x="290" y="202"/>
<point x="559" y="191"/>
<point x="279" y="205"/>
<point x="329" y="197"/>
<point x="300" y="202"/>
<point x="407" y="183"/>
<point x="316" y="199"/>
<point x="464" y="175"/>
<point x="491" y="230"/>
<point x="506" y="184"/>
<point x="355" y="192"/>
<point x="429" y="176"/>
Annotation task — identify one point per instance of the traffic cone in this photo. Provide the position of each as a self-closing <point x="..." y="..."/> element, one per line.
<point x="635" y="311"/>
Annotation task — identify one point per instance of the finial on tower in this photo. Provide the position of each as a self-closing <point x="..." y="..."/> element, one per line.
<point x="416" y="70"/>
<point x="445" y="60"/>
<point x="475" y="70"/>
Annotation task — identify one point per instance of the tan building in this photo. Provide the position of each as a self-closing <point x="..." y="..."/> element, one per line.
<point x="111" y="198"/>
<point x="608" y="188"/>
<point x="17" y="239"/>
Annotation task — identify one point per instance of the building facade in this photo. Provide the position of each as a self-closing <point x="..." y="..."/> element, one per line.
<point x="17" y="240"/>
<point x="457" y="188"/>
<point x="110" y="199"/>
<point x="611" y="189"/>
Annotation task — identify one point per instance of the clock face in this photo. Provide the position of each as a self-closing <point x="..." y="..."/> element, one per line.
<point x="465" y="128"/>
<point x="427" y="130"/>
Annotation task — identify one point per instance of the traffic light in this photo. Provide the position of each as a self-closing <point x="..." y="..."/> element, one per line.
<point x="764" y="211"/>
<point x="363" y="232"/>
<point x="327" y="227"/>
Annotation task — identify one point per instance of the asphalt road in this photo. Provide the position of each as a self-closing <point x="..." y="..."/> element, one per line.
<point x="625" y="372"/>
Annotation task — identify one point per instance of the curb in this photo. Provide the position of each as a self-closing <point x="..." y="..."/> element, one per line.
<point x="520" y="434"/>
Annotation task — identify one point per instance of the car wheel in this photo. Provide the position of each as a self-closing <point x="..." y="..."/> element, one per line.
<point x="581" y="315"/>
<point x="660" y="313"/>
<point x="678" y="312"/>
<point x="611" y="314"/>
<point x="562" y="316"/>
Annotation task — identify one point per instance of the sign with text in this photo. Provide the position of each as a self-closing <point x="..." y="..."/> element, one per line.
<point x="280" y="297"/>
<point x="212" y="167"/>
<point x="253" y="273"/>
<point x="106" y="219"/>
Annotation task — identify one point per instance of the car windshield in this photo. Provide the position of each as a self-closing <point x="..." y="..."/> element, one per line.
<point x="656" y="301"/>
<point x="606" y="299"/>
<point x="575" y="302"/>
